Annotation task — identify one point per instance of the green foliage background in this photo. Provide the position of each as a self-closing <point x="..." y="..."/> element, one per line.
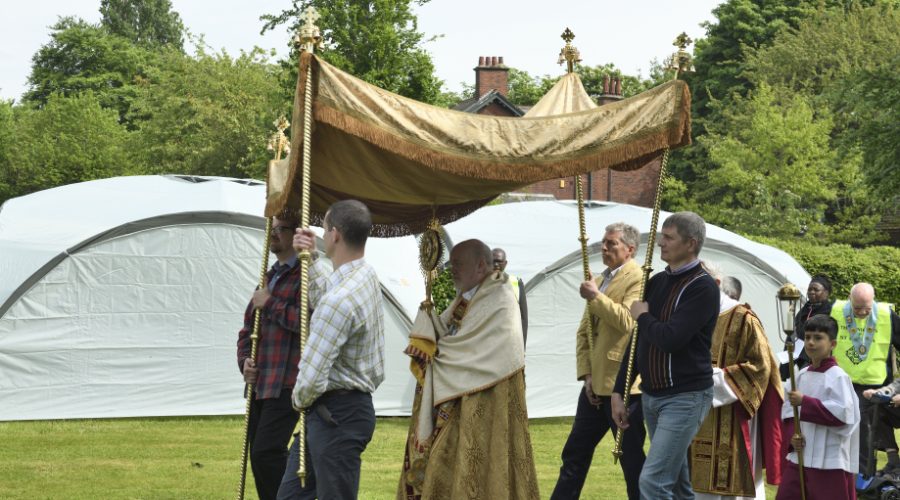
<point x="845" y="266"/>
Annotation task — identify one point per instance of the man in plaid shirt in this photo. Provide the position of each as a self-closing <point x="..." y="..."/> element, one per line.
<point x="272" y="418"/>
<point x="343" y="362"/>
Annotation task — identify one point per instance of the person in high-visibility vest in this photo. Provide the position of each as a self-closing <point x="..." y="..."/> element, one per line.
<point x="866" y="331"/>
<point x="518" y="288"/>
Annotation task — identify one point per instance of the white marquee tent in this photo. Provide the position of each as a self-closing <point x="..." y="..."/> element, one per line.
<point x="540" y="239"/>
<point x="122" y="297"/>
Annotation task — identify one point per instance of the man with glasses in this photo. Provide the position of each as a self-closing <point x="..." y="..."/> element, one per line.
<point x="273" y="373"/>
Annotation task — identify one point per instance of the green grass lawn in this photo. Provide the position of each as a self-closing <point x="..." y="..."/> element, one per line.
<point x="199" y="458"/>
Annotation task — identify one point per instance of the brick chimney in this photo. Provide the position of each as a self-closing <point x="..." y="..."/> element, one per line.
<point x="490" y="74"/>
<point x="612" y="91"/>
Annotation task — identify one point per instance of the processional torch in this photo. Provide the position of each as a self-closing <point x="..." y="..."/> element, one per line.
<point x="278" y="144"/>
<point x="788" y="297"/>
<point x="680" y="62"/>
<point x="308" y="38"/>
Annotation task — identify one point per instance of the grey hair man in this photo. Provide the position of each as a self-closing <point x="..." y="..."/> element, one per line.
<point x="609" y="297"/>
<point x="673" y="358"/>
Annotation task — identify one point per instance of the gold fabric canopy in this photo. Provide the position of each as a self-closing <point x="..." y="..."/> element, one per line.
<point x="410" y="161"/>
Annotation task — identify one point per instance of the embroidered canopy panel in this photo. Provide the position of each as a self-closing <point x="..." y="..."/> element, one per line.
<point x="410" y="161"/>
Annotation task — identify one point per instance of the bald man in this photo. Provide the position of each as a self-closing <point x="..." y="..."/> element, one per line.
<point x="468" y="434"/>
<point x="866" y="331"/>
<point x="518" y="288"/>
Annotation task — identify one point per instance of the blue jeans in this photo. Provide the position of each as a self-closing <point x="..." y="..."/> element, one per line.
<point x="672" y="421"/>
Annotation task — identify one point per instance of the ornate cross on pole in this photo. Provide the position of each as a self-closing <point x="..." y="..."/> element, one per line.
<point x="681" y="61"/>
<point x="279" y="142"/>
<point x="309" y="37"/>
<point x="569" y="54"/>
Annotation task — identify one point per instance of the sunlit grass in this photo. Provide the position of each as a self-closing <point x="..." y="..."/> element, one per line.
<point x="199" y="458"/>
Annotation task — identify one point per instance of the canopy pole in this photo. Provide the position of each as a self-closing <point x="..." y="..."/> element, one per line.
<point x="681" y="63"/>
<point x="254" y="342"/>
<point x="646" y="269"/>
<point x="585" y="263"/>
<point x="309" y="37"/>
<point x="570" y="55"/>
<point x="278" y="143"/>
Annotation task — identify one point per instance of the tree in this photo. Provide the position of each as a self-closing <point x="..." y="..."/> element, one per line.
<point x="526" y="90"/>
<point x="150" y="23"/>
<point x="82" y="56"/>
<point x="846" y="62"/>
<point x="775" y="173"/>
<point x="874" y="98"/>
<point x="377" y="41"/>
<point x="70" y="139"/>
<point x="210" y="114"/>
<point x="7" y="146"/>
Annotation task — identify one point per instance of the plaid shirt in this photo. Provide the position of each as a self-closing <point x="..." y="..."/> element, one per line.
<point x="346" y="336"/>
<point x="278" y="348"/>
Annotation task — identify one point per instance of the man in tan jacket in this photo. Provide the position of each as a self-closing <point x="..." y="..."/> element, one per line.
<point x="609" y="298"/>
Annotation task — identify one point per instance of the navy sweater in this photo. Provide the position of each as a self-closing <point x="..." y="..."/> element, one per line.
<point x="674" y="336"/>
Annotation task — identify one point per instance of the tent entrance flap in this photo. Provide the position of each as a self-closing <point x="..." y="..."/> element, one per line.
<point x="401" y="155"/>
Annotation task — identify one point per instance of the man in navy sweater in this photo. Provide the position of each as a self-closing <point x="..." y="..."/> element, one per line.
<point x="675" y="328"/>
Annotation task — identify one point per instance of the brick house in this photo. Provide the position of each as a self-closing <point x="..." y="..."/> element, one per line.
<point x="636" y="187"/>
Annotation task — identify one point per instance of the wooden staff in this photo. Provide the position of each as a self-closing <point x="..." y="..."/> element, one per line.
<point x="279" y="144"/>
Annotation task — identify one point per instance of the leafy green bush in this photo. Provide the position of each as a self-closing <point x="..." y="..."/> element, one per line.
<point x="845" y="265"/>
<point x="442" y="292"/>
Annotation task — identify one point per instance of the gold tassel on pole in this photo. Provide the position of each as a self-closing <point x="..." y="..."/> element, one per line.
<point x="278" y="143"/>
<point x="309" y="38"/>
<point x="681" y="63"/>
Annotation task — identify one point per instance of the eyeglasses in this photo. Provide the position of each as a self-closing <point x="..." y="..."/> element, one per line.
<point x="288" y="229"/>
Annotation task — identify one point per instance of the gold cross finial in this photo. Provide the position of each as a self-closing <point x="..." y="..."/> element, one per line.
<point x="681" y="61"/>
<point x="279" y="142"/>
<point x="309" y="37"/>
<point x="569" y="54"/>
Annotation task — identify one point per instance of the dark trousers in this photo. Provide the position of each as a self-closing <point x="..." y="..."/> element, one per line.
<point x="590" y="425"/>
<point x="269" y="430"/>
<point x="338" y="429"/>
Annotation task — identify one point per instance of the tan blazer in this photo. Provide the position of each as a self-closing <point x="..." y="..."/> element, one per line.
<point x="611" y="314"/>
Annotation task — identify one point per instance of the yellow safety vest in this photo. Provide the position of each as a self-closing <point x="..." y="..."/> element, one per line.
<point x="872" y="370"/>
<point x="514" y="282"/>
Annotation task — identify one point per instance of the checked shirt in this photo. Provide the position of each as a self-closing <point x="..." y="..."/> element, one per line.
<point x="278" y="350"/>
<point x="346" y="336"/>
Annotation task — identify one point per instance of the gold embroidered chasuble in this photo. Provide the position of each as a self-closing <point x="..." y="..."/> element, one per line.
<point x="720" y="462"/>
<point x="468" y="434"/>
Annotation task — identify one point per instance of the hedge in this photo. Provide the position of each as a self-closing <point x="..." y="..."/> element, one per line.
<point x="845" y="265"/>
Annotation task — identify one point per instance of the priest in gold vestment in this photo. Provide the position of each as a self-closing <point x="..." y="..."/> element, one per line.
<point x="468" y="435"/>
<point x="742" y="433"/>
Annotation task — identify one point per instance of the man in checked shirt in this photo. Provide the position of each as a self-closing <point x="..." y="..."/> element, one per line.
<point x="343" y="362"/>
<point x="272" y="418"/>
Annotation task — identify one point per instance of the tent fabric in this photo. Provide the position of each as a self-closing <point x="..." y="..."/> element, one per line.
<point x="123" y="298"/>
<point x="410" y="161"/>
<point x="152" y="275"/>
<point x="540" y="240"/>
